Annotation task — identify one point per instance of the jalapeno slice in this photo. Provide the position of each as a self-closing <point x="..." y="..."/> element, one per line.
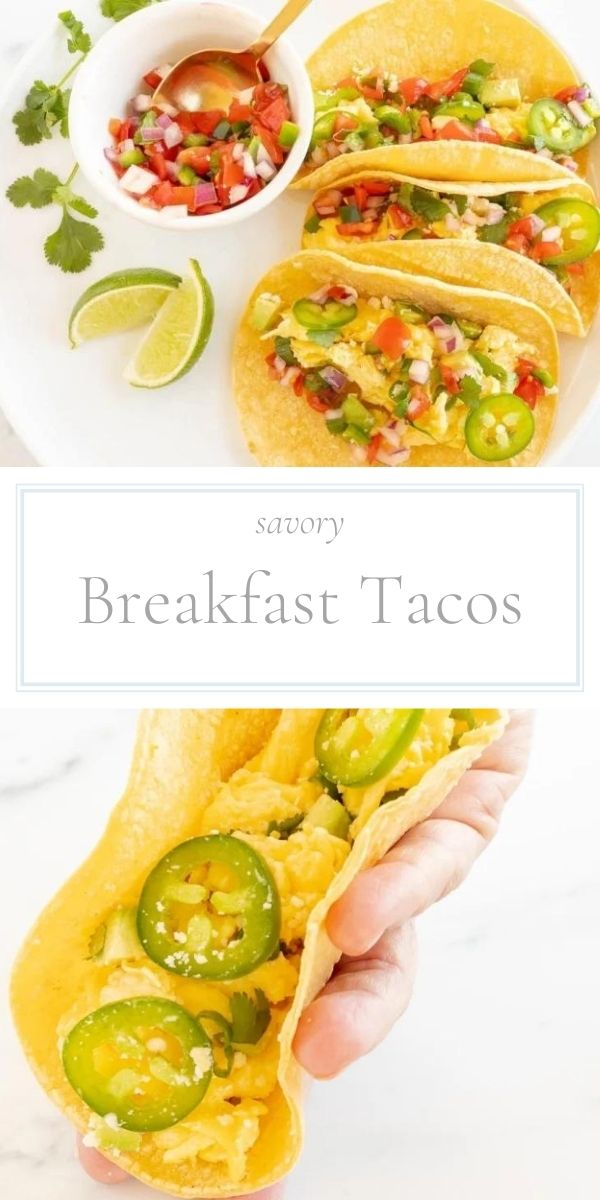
<point x="552" y="122"/>
<point x="210" y="909"/>
<point x="357" y="747"/>
<point x="579" y="223"/>
<point x="330" y="315"/>
<point x="499" y="427"/>
<point x="462" y="108"/>
<point x="145" y="1060"/>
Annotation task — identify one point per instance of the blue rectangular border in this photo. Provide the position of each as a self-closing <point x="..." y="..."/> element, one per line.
<point x="356" y="687"/>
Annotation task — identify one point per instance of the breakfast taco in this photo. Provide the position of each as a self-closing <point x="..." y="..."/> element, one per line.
<point x="158" y="995"/>
<point x="537" y="243"/>
<point x="338" y="363"/>
<point x="446" y="89"/>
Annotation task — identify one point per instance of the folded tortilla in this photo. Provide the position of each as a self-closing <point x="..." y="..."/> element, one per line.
<point x="181" y="759"/>
<point x="476" y="263"/>
<point x="432" y="39"/>
<point x="279" y="426"/>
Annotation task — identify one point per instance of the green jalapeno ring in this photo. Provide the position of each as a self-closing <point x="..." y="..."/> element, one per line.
<point x="222" y="1040"/>
<point x="330" y="315"/>
<point x="580" y="226"/>
<point x="119" y="1026"/>
<point x="338" y="748"/>
<point x="552" y="122"/>
<point x="482" y="427"/>
<point x="193" y="951"/>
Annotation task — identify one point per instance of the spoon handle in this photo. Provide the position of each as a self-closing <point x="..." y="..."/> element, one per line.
<point x="278" y="25"/>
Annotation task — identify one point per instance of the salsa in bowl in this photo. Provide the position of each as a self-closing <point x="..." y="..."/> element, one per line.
<point x="183" y="170"/>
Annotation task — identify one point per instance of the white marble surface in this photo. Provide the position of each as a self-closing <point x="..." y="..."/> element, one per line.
<point x="576" y="21"/>
<point x="490" y="1087"/>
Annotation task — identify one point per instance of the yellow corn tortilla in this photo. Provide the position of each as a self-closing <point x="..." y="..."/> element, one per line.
<point x="179" y="760"/>
<point x="283" y="431"/>
<point x="475" y="263"/>
<point x="433" y="39"/>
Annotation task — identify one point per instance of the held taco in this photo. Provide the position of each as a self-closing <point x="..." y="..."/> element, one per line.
<point x="536" y="243"/>
<point x="446" y="89"/>
<point x="158" y="995"/>
<point x="338" y="364"/>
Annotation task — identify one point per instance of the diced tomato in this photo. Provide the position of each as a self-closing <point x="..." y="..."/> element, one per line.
<point x="114" y="128"/>
<point x="344" y="122"/>
<point x="206" y="122"/>
<point x="525" y="226"/>
<point x="205" y="209"/>
<point x="196" y="157"/>
<point x="158" y="164"/>
<point x="419" y="402"/>
<point x="299" y="384"/>
<point x="360" y="196"/>
<point x="371" y="93"/>
<point x="348" y="82"/>
<point x="450" y="380"/>
<point x="377" y="187"/>
<point x="489" y="135"/>
<point x="577" y="268"/>
<point x="356" y="228"/>
<point x="447" y="87"/>
<point x="411" y="90"/>
<point x="391" y="337"/>
<point x="185" y="121"/>
<point x="427" y="130"/>
<point x="240" y="112"/>
<point x="269" y="142"/>
<point x="152" y="79"/>
<point x="400" y="217"/>
<point x="337" y="291"/>
<point x="232" y="172"/>
<point x="456" y="132"/>
<point x="275" y="114"/>
<point x="530" y="390"/>
<point x="166" y="194"/>
<point x="543" y="250"/>
<point x="125" y="131"/>
<point x="519" y="243"/>
<point x="567" y="93"/>
<point x="374" y="447"/>
<point x="330" y="199"/>
<point x="315" y="402"/>
<point x="525" y="367"/>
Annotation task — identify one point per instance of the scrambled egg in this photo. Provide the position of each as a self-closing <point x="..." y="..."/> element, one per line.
<point x="504" y="347"/>
<point x="510" y="123"/>
<point x="220" y="1133"/>
<point x="303" y="867"/>
<point x="250" y="801"/>
<point x="430" y="744"/>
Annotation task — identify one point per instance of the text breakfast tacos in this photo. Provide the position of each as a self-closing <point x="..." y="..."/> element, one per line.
<point x="343" y="364"/>
<point x="539" y="243"/>
<point x="462" y="89"/>
<point x="158" y="995"/>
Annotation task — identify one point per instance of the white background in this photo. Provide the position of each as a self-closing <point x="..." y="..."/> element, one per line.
<point x="165" y="541"/>
<point x="489" y="1089"/>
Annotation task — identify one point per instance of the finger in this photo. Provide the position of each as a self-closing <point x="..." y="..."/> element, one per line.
<point x="97" y="1166"/>
<point x="358" y="1006"/>
<point x="434" y="857"/>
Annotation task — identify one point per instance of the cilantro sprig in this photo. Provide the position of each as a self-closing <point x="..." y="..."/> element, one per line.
<point x="250" y="1018"/>
<point x="74" y="242"/>
<point x="116" y="10"/>
<point x="46" y="105"/>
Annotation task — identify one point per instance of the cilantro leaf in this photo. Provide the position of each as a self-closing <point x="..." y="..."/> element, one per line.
<point x="470" y="391"/>
<point x="45" y="107"/>
<point x="428" y="205"/>
<point x="116" y="10"/>
<point x="73" y="244"/>
<point x="68" y="199"/>
<point x="498" y="233"/>
<point x="36" y="190"/>
<point x="79" y="42"/>
<point x="250" y="1018"/>
<point x="286" y="827"/>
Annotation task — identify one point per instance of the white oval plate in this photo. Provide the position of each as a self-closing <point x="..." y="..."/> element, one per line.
<point x="72" y="408"/>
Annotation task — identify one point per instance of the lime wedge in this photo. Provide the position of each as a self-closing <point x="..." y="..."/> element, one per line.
<point x="177" y="336"/>
<point x="121" y="301"/>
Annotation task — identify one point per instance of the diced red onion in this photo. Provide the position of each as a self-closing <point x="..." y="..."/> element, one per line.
<point x="249" y="165"/>
<point x="204" y="193"/>
<point x="451" y="344"/>
<point x="137" y="181"/>
<point x="173" y="135"/>
<point x="334" y="378"/>
<point x="442" y="331"/>
<point x="359" y="453"/>
<point x="392" y="433"/>
<point x="279" y="364"/>
<point x="419" y="371"/>
<point x="263" y="156"/>
<point x="142" y="103"/>
<point x="169" y="109"/>
<point x="392" y="458"/>
<point x="334" y="414"/>
<point x="111" y="154"/>
<point x="178" y="210"/>
<point x="452" y="223"/>
<point x="376" y="201"/>
<point x="164" y="70"/>
<point x="152" y="133"/>
<point x="333" y="149"/>
<point x="290" y="375"/>
<point x="581" y="116"/>
<point x="237" y="152"/>
<point x="172" y="170"/>
<point x="164" y="121"/>
<point x="334" y="199"/>
<point x="537" y="224"/>
<point x="265" y="171"/>
<point x="551" y="233"/>
<point x="582" y="93"/>
<point x="127" y="146"/>
<point x="482" y="125"/>
<point x="495" y="214"/>
<point x="544" y="152"/>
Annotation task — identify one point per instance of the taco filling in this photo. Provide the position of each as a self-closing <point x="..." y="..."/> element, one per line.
<point x="174" y="1045"/>
<point x="375" y="108"/>
<point x="387" y="376"/>
<point x="558" y="233"/>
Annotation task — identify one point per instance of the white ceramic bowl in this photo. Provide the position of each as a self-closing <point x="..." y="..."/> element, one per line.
<point x="111" y="75"/>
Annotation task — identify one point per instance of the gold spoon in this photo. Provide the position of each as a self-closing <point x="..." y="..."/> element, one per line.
<point x="207" y="78"/>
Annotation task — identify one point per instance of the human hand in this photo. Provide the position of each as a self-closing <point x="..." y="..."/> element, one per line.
<point x="372" y="924"/>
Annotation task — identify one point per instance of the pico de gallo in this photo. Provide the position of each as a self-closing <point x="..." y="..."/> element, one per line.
<point x="201" y="162"/>
<point x="559" y="233"/>
<point x="375" y="108"/>
<point x="386" y="375"/>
